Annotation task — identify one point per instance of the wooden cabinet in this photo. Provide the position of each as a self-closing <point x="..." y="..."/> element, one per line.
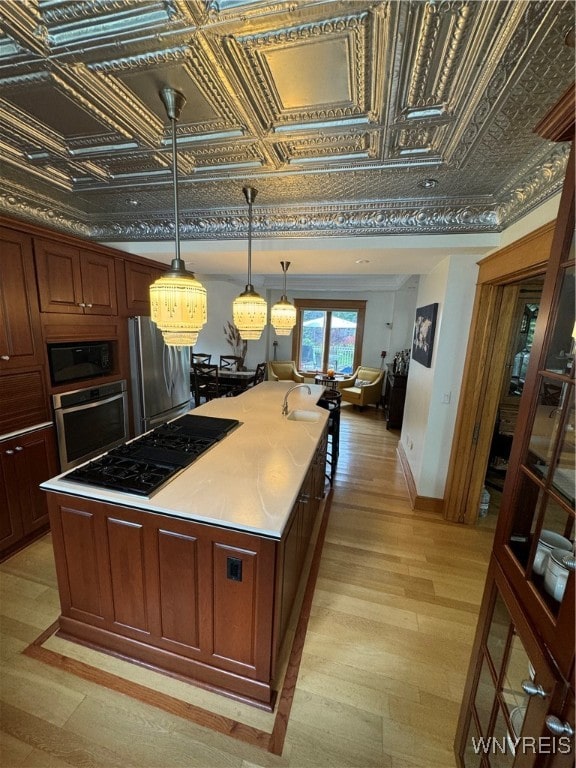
<point x="533" y="582"/>
<point x="20" y="336"/>
<point x="23" y="397"/>
<point x="394" y="398"/>
<point x="516" y="691"/>
<point x="25" y="462"/>
<point x="197" y="600"/>
<point x="138" y="277"/>
<point x="73" y="280"/>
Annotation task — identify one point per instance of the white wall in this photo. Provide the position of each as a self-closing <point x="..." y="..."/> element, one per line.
<point x="395" y="307"/>
<point x="432" y="393"/>
<point x="220" y="294"/>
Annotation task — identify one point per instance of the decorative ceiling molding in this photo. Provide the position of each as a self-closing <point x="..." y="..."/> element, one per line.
<point x="336" y="111"/>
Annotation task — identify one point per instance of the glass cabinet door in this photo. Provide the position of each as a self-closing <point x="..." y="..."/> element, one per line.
<point x="537" y="548"/>
<point x="515" y="692"/>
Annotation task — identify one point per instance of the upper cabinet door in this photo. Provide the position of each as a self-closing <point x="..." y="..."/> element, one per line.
<point x="98" y="284"/>
<point x="139" y="277"/>
<point x="71" y="281"/>
<point x="59" y="279"/>
<point x="20" y="341"/>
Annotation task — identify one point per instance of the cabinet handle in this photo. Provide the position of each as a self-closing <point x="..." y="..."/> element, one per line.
<point x="81" y="304"/>
<point x="5" y="357"/>
<point x="88" y="305"/>
<point x="557" y="727"/>
<point x="9" y="451"/>
<point x="531" y="688"/>
<point x="19" y="448"/>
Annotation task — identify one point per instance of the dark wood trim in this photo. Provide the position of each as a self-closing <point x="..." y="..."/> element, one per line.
<point x="558" y="124"/>
<point x="65" y="239"/>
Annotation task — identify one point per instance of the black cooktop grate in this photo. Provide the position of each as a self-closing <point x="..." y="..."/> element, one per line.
<point x="144" y="465"/>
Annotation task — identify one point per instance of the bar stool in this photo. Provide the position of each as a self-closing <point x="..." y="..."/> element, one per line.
<point x="331" y="399"/>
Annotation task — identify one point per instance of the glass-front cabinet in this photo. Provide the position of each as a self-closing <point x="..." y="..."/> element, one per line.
<point x="516" y="693"/>
<point x="536" y="547"/>
<point x="518" y="705"/>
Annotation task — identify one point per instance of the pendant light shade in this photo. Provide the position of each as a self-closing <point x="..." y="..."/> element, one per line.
<point x="283" y="313"/>
<point x="177" y="299"/>
<point x="249" y="310"/>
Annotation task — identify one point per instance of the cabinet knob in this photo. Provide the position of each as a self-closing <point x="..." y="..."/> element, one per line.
<point x="5" y="357"/>
<point x="88" y="305"/>
<point x="81" y="304"/>
<point x="9" y="451"/>
<point x="531" y="688"/>
<point x="557" y="727"/>
<point x="19" y="448"/>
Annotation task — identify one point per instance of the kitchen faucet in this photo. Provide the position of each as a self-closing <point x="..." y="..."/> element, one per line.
<point x="285" y="403"/>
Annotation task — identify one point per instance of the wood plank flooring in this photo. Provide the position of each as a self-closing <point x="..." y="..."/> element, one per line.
<point x="382" y="668"/>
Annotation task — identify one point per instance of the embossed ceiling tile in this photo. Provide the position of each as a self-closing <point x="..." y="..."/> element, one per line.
<point x="48" y="102"/>
<point x="89" y="26"/>
<point x="312" y="72"/>
<point x="328" y="147"/>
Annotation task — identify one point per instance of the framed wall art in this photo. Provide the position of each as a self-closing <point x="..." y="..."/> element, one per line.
<point x="424" y="331"/>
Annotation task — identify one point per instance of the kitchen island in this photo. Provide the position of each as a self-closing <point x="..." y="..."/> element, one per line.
<point x="200" y="579"/>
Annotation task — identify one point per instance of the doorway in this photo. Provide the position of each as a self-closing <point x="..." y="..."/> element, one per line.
<point x="500" y="279"/>
<point x="523" y="323"/>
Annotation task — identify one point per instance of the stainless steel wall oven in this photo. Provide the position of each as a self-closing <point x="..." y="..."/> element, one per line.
<point x="90" y="421"/>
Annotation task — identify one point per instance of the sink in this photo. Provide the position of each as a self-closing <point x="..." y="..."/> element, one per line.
<point x="301" y="415"/>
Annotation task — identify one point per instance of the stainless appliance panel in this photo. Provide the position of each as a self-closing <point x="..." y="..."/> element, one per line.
<point x="90" y="421"/>
<point x="160" y="376"/>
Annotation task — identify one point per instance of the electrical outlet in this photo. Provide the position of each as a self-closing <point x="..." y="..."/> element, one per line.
<point x="234" y="568"/>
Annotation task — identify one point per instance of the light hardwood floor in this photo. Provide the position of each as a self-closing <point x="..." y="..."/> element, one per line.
<point x="383" y="665"/>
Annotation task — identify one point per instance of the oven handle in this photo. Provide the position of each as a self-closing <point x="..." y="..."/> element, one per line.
<point x="92" y="404"/>
<point x="59" y="414"/>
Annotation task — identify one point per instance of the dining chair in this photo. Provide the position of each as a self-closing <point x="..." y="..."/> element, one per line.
<point x="230" y="362"/>
<point x="205" y="382"/>
<point x="259" y="375"/>
<point x="201" y="357"/>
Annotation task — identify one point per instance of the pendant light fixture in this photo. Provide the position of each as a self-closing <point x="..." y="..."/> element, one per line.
<point x="249" y="310"/>
<point x="283" y="313"/>
<point x="177" y="299"/>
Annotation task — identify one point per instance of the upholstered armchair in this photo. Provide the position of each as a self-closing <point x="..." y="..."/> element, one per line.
<point x="364" y="387"/>
<point x="283" y="370"/>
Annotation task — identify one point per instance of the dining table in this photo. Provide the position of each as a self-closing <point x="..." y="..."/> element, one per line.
<point x="235" y="380"/>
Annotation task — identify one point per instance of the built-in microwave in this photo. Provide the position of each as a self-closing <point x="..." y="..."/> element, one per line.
<point x="77" y="361"/>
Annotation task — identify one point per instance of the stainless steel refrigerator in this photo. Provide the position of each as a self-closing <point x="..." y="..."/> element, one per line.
<point x="160" y="376"/>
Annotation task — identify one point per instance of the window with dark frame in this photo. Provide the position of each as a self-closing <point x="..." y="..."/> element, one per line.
<point x="328" y="335"/>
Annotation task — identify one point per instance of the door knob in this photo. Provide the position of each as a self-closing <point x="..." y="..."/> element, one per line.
<point x="557" y="727"/>
<point x="531" y="688"/>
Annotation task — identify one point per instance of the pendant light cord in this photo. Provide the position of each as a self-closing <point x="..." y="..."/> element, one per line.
<point x="284" y="265"/>
<point x="250" y="195"/>
<point x="176" y="199"/>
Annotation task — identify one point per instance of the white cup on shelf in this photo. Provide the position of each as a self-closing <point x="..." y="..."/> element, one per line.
<point x="548" y="541"/>
<point x="558" y="564"/>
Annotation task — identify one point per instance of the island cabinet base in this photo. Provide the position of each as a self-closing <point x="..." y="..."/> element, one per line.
<point x="202" y="602"/>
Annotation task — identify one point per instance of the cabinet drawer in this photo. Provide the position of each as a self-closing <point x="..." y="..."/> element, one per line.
<point x="23" y="400"/>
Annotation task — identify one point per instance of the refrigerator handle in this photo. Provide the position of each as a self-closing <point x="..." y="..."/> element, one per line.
<point x="166" y="366"/>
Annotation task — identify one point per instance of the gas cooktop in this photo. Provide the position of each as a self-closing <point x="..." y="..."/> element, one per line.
<point x="144" y="465"/>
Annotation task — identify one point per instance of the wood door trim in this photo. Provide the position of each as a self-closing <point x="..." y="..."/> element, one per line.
<point x="491" y="325"/>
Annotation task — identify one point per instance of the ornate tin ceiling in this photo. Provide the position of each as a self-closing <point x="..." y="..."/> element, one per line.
<point x="339" y="112"/>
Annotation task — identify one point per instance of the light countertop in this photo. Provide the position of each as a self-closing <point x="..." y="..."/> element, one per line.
<point x="250" y="480"/>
